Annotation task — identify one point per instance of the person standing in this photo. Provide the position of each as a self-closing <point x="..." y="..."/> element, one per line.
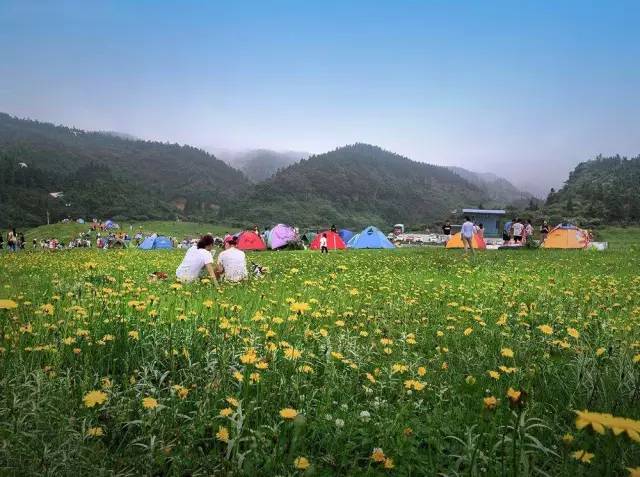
<point x="544" y="230"/>
<point x="446" y="231"/>
<point x="323" y="244"/>
<point x="232" y="263"/>
<point x="518" y="230"/>
<point x="12" y="240"/>
<point x="466" y="233"/>
<point x="506" y="230"/>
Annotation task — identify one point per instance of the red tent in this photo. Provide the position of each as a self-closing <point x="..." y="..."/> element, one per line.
<point x="250" y="240"/>
<point x="334" y="241"/>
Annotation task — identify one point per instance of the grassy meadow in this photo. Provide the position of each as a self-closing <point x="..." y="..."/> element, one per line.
<point x="405" y="362"/>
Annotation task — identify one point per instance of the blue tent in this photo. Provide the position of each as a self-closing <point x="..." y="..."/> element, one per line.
<point x="370" y="237"/>
<point x="345" y="235"/>
<point x="152" y="243"/>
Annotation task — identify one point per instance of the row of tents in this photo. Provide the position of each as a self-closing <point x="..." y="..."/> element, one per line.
<point x="564" y="236"/>
<point x="282" y="235"/>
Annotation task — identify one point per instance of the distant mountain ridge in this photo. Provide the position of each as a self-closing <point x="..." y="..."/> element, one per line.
<point x="260" y="164"/>
<point x="497" y="188"/>
<point x="354" y="185"/>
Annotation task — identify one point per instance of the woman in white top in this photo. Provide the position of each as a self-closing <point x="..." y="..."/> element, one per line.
<point x="197" y="258"/>
<point x="232" y="263"/>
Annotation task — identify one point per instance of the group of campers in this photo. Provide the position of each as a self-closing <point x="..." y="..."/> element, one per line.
<point x="514" y="232"/>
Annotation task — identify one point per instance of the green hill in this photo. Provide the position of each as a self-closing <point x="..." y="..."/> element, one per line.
<point x="600" y="191"/>
<point x="104" y="175"/>
<point x="353" y="186"/>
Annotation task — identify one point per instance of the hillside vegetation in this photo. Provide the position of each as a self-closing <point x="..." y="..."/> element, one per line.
<point x="356" y="185"/>
<point x="102" y="175"/>
<point x="601" y="191"/>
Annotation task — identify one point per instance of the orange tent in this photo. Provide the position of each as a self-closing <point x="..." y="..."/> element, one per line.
<point x="334" y="241"/>
<point x="249" y="240"/>
<point x="566" y="236"/>
<point x="456" y="242"/>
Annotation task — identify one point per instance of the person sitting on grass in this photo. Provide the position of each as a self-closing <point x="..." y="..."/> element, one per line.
<point x="232" y="263"/>
<point x="197" y="258"/>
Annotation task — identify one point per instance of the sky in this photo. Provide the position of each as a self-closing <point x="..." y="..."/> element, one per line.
<point x="524" y="89"/>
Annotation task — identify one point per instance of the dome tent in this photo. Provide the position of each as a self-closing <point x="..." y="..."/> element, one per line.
<point x="154" y="242"/>
<point x="334" y="241"/>
<point x="370" y="237"/>
<point x="345" y="235"/>
<point x="281" y="235"/>
<point x="566" y="236"/>
<point x="249" y="240"/>
<point x="456" y="242"/>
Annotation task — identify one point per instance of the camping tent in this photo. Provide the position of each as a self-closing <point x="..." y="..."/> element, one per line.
<point x="345" y="235"/>
<point x="566" y="236"/>
<point x="154" y="242"/>
<point x="249" y="240"/>
<point x="334" y="241"/>
<point x="281" y="235"/>
<point x="370" y="237"/>
<point x="456" y="242"/>
<point x="110" y="224"/>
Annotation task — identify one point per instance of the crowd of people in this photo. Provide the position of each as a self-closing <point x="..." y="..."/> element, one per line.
<point x="515" y="232"/>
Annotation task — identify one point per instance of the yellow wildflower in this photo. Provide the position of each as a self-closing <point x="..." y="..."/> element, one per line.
<point x="94" y="397"/>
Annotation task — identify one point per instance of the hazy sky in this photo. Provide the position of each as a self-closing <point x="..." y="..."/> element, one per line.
<point x="523" y="89"/>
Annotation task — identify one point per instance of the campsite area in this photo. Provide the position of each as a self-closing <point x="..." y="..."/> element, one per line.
<point x="377" y="362"/>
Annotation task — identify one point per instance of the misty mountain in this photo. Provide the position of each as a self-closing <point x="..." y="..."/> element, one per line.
<point x="499" y="189"/>
<point x="354" y="186"/>
<point x="260" y="164"/>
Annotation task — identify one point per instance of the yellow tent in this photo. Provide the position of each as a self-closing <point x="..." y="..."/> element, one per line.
<point x="566" y="236"/>
<point x="456" y="242"/>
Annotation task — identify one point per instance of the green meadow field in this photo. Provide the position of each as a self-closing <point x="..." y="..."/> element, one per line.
<point x="416" y="361"/>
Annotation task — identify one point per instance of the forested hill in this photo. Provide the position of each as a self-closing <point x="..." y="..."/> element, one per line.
<point x="603" y="190"/>
<point x="356" y="185"/>
<point x="105" y="175"/>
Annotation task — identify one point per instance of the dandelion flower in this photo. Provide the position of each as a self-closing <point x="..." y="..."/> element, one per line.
<point x="150" y="403"/>
<point x="377" y="455"/>
<point x="288" y="413"/>
<point x="573" y="333"/>
<point x="546" y="329"/>
<point x="506" y="352"/>
<point x="223" y="434"/>
<point x="583" y="456"/>
<point x="490" y="402"/>
<point x="95" y="432"/>
<point x="92" y="398"/>
<point x="301" y="463"/>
